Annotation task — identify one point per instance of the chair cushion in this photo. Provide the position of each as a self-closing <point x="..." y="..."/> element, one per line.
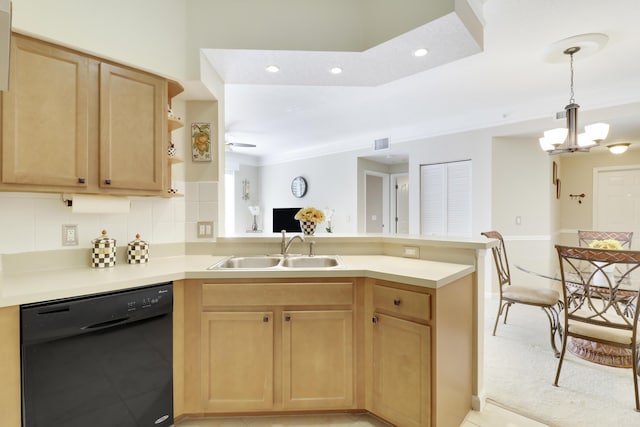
<point x="530" y="295"/>
<point x="600" y="332"/>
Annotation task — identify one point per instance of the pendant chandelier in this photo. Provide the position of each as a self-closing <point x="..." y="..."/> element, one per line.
<point x="567" y="139"/>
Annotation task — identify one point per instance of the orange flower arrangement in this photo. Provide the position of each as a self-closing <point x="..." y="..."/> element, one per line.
<point x="310" y="214"/>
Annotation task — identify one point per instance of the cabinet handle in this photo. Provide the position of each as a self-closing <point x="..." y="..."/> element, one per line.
<point x="287" y="317"/>
<point x="107" y="181"/>
<point x="375" y="319"/>
<point x="81" y="180"/>
<point x="396" y="301"/>
<point x="265" y="319"/>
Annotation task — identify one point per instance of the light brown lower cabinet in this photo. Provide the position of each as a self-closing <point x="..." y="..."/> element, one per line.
<point x="317" y="359"/>
<point x="276" y="347"/>
<point x="401" y="371"/>
<point x="239" y="358"/>
<point x="10" y="415"/>
<point x="237" y="361"/>
<point x="419" y="352"/>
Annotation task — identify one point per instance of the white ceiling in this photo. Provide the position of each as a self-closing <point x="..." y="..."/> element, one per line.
<point x="299" y="113"/>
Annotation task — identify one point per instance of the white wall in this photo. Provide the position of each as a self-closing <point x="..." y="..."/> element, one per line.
<point x="33" y="222"/>
<point x="576" y="174"/>
<point x="149" y="34"/>
<point x="337" y="181"/>
<point x="331" y="183"/>
<point x="522" y="186"/>
<point x="474" y="146"/>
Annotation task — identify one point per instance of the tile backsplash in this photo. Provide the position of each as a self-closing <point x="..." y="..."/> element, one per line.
<point x="33" y="221"/>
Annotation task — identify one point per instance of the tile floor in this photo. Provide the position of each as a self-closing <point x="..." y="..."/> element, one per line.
<point x="491" y="416"/>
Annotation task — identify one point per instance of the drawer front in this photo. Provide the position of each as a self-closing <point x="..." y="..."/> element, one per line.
<point x="269" y="294"/>
<point x="402" y="302"/>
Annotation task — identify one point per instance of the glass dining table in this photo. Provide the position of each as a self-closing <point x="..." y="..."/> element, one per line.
<point x="590" y="350"/>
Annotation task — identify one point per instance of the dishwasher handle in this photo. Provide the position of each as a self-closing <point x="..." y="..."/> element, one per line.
<point x="106" y="324"/>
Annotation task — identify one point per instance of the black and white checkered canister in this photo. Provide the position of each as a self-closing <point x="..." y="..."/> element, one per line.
<point x="307" y="227"/>
<point x="103" y="253"/>
<point x="137" y="251"/>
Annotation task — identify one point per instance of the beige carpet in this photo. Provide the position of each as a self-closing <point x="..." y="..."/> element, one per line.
<point x="520" y="369"/>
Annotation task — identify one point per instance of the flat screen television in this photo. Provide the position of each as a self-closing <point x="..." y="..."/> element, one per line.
<point x="283" y="219"/>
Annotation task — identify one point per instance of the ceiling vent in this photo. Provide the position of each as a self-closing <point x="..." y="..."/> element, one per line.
<point x="381" y="144"/>
<point x="561" y="115"/>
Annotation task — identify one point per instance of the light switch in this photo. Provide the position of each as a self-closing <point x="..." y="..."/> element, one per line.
<point x="205" y="229"/>
<point x="518" y="220"/>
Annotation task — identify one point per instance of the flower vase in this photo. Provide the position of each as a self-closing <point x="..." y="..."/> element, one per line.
<point x="603" y="274"/>
<point x="308" y="227"/>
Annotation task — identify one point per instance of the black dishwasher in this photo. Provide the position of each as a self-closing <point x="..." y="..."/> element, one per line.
<point x="103" y="360"/>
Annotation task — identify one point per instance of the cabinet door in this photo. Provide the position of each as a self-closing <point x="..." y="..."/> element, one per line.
<point x="401" y="371"/>
<point x="237" y="361"/>
<point x="317" y="359"/>
<point x="45" y="116"/>
<point x="10" y="366"/>
<point x="133" y="129"/>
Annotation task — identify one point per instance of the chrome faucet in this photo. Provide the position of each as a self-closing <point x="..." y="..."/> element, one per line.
<point x="285" y="244"/>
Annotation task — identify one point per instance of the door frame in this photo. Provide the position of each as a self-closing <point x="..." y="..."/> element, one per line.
<point x="393" y="201"/>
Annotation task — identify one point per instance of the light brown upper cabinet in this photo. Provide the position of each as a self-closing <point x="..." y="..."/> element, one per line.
<point x="132" y="105"/>
<point x="45" y="117"/>
<point x="72" y="122"/>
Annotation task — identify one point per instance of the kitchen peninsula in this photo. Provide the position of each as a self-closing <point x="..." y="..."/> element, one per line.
<point x="401" y="335"/>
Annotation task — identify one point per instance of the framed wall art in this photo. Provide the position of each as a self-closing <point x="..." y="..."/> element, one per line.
<point x="201" y="142"/>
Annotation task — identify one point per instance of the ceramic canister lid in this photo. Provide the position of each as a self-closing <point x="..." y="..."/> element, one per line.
<point x="103" y="240"/>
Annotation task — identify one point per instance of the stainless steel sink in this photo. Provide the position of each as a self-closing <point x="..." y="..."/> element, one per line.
<point x="247" y="262"/>
<point x="277" y="262"/>
<point x="319" y="261"/>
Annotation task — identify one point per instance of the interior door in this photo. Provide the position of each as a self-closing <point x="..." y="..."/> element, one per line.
<point x="617" y="201"/>
<point x="374" y="210"/>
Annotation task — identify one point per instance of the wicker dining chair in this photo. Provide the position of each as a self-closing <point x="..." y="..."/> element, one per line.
<point x="585" y="237"/>
<point x="547" y="299"/>
<point x="599" y="301"/>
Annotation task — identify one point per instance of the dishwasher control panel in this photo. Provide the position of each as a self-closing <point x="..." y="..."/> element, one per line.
<point x="94" y="312"/>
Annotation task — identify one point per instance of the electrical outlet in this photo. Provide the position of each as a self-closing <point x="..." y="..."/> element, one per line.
<point x="205" y="229"/>
<point x="69" y="235"/>
<point x="411" y="251"/>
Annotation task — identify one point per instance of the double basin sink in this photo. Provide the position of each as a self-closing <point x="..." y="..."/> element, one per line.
<point x="278" y="262"/>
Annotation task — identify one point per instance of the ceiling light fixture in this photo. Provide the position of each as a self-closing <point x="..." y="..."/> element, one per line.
<point x="272" y="68"/>
<point x="618" y="148"/>
<point x="420" y="52"/>
<point x="336" y="70"/>
<point x="567" y="139"/>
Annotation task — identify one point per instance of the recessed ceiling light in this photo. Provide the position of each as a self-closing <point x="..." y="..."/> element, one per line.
<point x="272" y="68"/>
<point x="336" y="70"/>
<point x="420" y="52"/>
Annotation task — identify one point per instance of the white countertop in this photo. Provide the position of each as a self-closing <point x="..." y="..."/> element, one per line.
<point x="28" y="287"/>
